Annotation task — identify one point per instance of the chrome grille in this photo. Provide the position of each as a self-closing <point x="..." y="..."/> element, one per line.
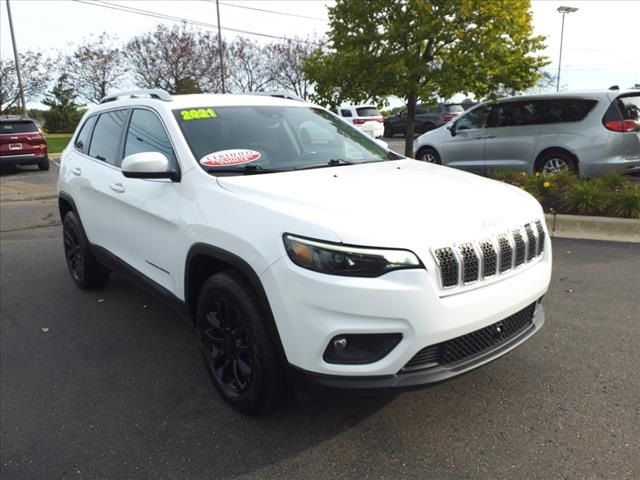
<point x="469" y="262"/>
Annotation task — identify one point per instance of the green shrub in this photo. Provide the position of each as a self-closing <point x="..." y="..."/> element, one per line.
<point x="562" y="182"/>
<point x="614" y="181"/>
<point x="588" y="197"/>
<point x="625" y="203"/>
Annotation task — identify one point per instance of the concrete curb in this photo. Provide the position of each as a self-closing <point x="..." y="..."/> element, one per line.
<point x="54" y="156"/>
<point x="594" y="228"/>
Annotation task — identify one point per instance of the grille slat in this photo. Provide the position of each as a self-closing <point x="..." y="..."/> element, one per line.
<point x="541" y="237"/>
<point x="520" y="247"/>
<point x="448" y="264"/>
<point x="470" y="263"/>
<point x="490" y="258"/>
<point x="506" y="253"/>
<point x="471" y="345"/>
<point x="531" y="240"/>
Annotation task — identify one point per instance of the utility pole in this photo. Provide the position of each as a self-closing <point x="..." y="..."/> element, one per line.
<point x="563" y="11"/>
<point x="219" y="46"/>
<point x="17" y="60"/>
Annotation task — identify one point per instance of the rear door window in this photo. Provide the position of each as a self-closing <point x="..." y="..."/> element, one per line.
<point x="147" y="134"/>
<point x="84" y="137"/>
<point x="107" y="136"/>
<point x="345" y="113"/>
<point x="512" y="114"/>
<point x="17" y="127"/>
<point x="367" y="112"/>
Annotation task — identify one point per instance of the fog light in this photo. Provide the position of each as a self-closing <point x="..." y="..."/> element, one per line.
<point x="340" y="343"/>
<point x="357" y="349"/>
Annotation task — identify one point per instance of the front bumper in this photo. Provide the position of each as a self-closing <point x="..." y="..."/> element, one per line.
<point x="424" y="376"/>
<point x="311" y="309"/>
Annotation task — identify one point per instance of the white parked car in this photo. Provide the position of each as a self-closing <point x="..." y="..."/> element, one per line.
<point x="300" y="248"/>
<point x="364" y="117"/>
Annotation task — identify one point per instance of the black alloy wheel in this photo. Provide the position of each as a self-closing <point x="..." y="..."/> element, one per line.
<point x="228" y="352"/>
<point x="86" y="272"/>
<point x="73" y="252"/>
<point x="240" y="351"/>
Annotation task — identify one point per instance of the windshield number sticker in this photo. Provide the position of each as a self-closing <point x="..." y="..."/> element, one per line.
<point x="197" y="114"/>
<point x="225" y="158"/>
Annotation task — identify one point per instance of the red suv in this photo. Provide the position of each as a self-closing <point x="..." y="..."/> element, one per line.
<point x="21" y="142"/>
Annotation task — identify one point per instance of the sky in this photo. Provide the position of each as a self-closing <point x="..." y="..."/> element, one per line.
<point x="600" y="45"/>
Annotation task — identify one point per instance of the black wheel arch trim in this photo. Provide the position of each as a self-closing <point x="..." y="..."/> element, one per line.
<point x="247" y="271"/>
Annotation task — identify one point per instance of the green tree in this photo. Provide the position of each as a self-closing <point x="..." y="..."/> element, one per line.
<point x="64" y="113"/>
<point x="425" y="49"/>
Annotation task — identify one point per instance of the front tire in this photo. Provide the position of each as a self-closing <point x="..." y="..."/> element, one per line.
<point x="554" y="162"/>
<point x="85" y="270"/>
<point x="239" y="352"/>
<point x="428" y="154"/>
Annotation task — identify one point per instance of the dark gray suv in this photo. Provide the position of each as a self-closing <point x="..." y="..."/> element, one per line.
<point x="588" y="132"/>
<point x="427" y="118"/>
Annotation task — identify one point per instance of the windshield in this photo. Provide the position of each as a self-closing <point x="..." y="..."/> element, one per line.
<point x="263" y="139"/>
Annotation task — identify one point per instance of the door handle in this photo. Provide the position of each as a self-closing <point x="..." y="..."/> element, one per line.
<point x="76" y="171"/>
<point x="117" y="187"/>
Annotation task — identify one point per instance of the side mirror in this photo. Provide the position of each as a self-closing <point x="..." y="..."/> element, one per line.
<point x="382" y="143"/>
<point x="452" y="129"/>
<point x="148" y="165"/>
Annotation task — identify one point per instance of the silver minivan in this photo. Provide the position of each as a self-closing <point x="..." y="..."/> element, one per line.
<point x="588" y="132"/>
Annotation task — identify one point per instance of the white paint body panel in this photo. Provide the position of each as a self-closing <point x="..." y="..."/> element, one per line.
<point x="404" y="204"/>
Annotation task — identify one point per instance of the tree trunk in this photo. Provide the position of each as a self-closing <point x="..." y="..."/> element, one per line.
<point x="412" y="100"/>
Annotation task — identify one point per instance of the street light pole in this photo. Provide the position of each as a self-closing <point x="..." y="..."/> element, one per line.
<point x="563" y="11"/>
<point x="17" y="60"/>
<point x="220" y="46"/>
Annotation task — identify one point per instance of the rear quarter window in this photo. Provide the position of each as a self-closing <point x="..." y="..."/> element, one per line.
<point x="345" y="112"/>
<point x="84" y="136"/>
<point x="367" y="112"/>
<point x="107" y="135"/>
<point x="18" y="127"/>
<point x="564" y="110"/>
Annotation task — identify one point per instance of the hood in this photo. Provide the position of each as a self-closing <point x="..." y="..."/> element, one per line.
<point x="395" y="204"/>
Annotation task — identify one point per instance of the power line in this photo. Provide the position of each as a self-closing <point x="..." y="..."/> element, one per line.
<point x="149" y="13"/>
<point x="272" y="11"/>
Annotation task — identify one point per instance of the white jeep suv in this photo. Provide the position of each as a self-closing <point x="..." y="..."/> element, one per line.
<point x="300" y="248"/>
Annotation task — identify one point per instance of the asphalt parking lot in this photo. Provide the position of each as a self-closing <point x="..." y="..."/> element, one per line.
<point x="110" y="384"/>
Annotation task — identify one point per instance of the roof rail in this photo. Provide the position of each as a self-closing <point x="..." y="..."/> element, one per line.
<point x="156" y="93"/>
<point x="288" y="96"/>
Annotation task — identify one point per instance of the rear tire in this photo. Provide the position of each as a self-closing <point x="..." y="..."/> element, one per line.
<point x="85" y="270"/>
<point x="556" y="161"/>
<point x="428" y="154"/>
<point x="388" y="131"/>
<point x="43" y="165"/>
<point x="238" y="350"/>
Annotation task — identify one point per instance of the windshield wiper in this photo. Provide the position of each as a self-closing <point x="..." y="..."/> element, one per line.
<point x="246" y="170"/>
<point x="334" y="162"/>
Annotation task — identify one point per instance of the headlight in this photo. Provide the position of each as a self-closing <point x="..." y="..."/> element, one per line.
<point x="338" y="259"/>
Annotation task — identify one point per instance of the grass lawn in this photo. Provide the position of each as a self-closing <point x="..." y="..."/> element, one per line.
<point x="57" y="141"/>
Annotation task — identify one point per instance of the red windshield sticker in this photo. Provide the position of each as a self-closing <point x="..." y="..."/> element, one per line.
<point x="225" y="158"/>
